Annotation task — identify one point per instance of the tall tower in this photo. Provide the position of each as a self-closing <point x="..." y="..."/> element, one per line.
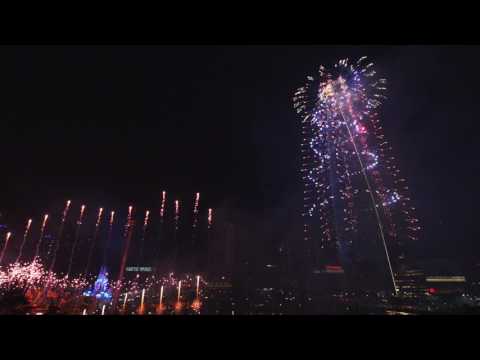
<point x="356" y="206"/>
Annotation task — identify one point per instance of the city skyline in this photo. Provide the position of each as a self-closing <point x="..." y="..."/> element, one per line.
<point x="106" y="129"/>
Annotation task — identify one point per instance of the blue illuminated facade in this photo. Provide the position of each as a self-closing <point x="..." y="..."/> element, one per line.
<point x="100" y="288"/>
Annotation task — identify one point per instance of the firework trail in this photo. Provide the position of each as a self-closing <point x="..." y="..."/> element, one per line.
<point x="103" y="309"/>
<point x="209" y="234"/>
<point x="177" y="213"/>
<point x="195" y="210"/>
<point x="144" y="231"/>
<point x="175" y="231"/>
<point x="42" y="230"/>
<point x="178" y="305"/>
<point x="7" y="238"/>
<point x="160" y="302"/>
<point x="109" y="237"/>
<point x="196" y="302"/>
<point x="84" y="312"/>
<point x="77" y="234"/>
<point x="94" y="240"/>
<point x="129" y="218"/>
<point x="128" y="233"/>
<point x="25" y="236"/>
<point x="198" y="286"/>
<point x="162" y="207"/>
<point x="210" y="218"/>
<point x="195" y="216"/>
<point x="125" y="302"/>
<point x="141" y="310"/>
<point x="60" y="234"/>
<point x="161" y="226"/>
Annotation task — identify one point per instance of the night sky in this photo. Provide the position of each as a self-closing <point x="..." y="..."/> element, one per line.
<point x="119" y="124"/>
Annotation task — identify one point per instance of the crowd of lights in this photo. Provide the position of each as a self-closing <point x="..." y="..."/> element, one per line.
<point x="40" y="283"/>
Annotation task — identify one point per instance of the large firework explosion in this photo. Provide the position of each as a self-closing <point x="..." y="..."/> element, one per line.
<point x="353" y="191"/>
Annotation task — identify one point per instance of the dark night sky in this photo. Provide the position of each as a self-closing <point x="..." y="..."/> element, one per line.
<point x="118" y="124"/>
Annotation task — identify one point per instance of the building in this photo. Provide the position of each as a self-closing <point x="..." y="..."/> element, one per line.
<point x="411" y="283"/>
<point x="446" y="285"/>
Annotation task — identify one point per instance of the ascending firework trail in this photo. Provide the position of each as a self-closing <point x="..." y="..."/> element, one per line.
<point x="25" y="236"/>
<point x="109" y="238"/>
<point x="7" y="238"/>
<point x="60" y="234"/>
<point x="75" y="241"/>
<point x="128" y="238"/>
<point x="175" y="231"/>
<point x="94" y="240"/>
<point x="142" y="241"/>
<point x="42" y="231"/>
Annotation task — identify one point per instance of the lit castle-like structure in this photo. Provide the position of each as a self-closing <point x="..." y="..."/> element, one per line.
<point x="100" y="289"/>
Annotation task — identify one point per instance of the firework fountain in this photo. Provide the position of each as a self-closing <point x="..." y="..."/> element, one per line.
<point x="178" y="304"/>
<point x="196" y="303"/>
<point x="160" y="307"/>
<point x="195" y="215"/>
<point x="124" y="303"/>
<point x="141" y="309"/>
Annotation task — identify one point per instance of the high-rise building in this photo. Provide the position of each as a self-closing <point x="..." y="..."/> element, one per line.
<point x="356" y="206"/>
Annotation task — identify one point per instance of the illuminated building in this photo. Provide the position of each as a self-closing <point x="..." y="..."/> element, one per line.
<point x="100" y="289"/>
<point x="356" y="203"/>
<point x="411" y="283"/>
<point x="446" y="285"/>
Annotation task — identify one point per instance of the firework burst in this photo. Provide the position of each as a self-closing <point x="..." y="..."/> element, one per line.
<point x="345" y="165"/>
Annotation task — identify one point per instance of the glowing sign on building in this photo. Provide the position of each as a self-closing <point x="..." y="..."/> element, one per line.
<point x="139" y="269"/>
<point x="446" y="279"/>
